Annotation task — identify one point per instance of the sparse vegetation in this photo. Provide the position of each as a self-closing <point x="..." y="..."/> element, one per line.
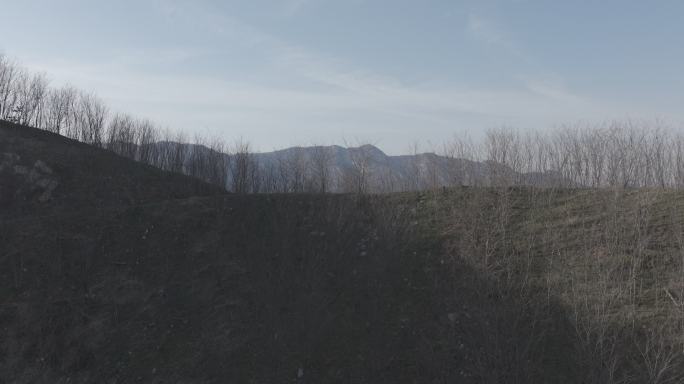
<point x="481" y="284"/>
<point x="518" y="257"/>
<point x="628" y="154"/>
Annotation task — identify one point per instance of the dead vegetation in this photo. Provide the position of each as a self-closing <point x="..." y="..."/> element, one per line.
<point x="559" y="257"/>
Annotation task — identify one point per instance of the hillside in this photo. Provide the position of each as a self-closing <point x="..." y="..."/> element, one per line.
<point x="125" y="273"/>
<point x="41" y="172"/>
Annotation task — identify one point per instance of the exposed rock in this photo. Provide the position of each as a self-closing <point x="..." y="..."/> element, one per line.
<point x="25" y="180"/>
<point x="20" y="170"/>
<point x="42" y="167"/>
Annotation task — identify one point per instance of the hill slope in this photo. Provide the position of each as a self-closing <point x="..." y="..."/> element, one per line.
<point x="44" y="172"/>
<point x="470" y="285"/>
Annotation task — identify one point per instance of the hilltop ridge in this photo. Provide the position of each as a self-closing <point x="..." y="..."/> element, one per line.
<point x="63" y="174"/>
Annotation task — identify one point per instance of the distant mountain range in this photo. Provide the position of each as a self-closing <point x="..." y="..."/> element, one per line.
<point x="301" y="169"/>
<point x="387" y="173"/>
<point x="383" y="172"/>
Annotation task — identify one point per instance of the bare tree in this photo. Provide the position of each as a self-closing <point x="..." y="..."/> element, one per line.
<point x="90" y="119"/>
<point x="218" y="163"/>
<point x="146" y="135"/>
<point x="31" y="91"/>
<point x="357" y="177"/>
<point x="243" y="169"/>
<point x="59" y="107"/>
<point x="321" y="162"/>
<point x="122" y="136"/>
<point x="9" y="72"/>
<point x="297" y="164"/>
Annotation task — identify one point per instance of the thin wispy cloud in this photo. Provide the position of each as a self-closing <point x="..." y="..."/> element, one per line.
<point x="226" y="71"/>
<point x="336" y="88"/>
<point x="495" y="35"/>
<point x="486" y="30"/>
<point x="292" y="7"/>
<point x="538" y="80"/>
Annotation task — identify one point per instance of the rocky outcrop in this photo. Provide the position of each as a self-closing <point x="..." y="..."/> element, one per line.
<point x="22" y="181"/>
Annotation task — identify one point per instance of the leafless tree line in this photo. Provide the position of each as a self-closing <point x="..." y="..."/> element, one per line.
<point x="615" y="155"/>
<point x="623" y="154"/>
<point x="27" y="99"/>
<point x="620" y="154"/>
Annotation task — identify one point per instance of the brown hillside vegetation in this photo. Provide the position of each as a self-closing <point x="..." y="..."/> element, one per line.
<point x="112" y="271"/>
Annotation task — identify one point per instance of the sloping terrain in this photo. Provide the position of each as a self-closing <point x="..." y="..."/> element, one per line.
<point x="41" y="172"/>
<point x="232" y="289"/>
<point x="127" y="274"/>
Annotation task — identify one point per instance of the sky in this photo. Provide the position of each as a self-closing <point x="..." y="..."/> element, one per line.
<point x="392" y="73"/>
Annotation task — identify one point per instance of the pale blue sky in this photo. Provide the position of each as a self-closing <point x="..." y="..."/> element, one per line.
<point x="390" y="72"/>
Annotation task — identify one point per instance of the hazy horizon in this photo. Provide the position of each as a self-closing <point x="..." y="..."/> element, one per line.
<point x="298" y="72"/>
